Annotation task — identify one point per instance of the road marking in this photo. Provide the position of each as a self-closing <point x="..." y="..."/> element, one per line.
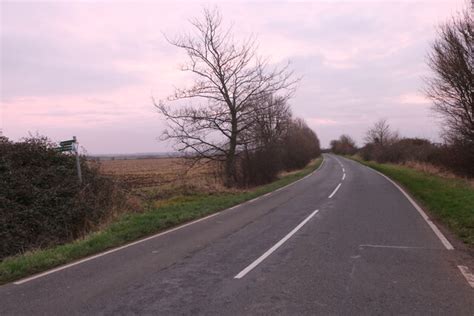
<point x="435" y="229"/>
<point x="338" y="161"/>
<point x="322" y="162"/>
<point x="111" y="251"/>
<point x="468" y="275"/>
<point x="36" y="276"/>
<point x="275" y="247"/>
<point x="391" y="247"/>
<point x="335" y="190"/>
<point x="343" y="176"/>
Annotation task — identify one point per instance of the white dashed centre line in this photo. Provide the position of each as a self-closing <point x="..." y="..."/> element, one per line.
<point x="335" y="190"/>
<point x="468" y="275"/>
<point x="275" y="247"/>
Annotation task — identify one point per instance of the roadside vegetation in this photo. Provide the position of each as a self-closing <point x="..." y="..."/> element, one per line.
<point x="233" y="128"/>
<point x="236" y="113"/>
<point x="42" y="203"/>
<point x="449" y="199"/>
<point x="439" y="175"/>
<point x="155" y="216"/>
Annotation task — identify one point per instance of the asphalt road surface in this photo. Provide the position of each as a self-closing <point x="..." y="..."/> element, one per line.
<point x="343" y="240"/>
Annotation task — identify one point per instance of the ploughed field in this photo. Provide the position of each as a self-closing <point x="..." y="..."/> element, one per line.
<point x="156" y="172"/>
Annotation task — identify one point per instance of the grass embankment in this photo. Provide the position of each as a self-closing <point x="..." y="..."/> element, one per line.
<point x="129" y="227"/>
<point x="449" y="200"/>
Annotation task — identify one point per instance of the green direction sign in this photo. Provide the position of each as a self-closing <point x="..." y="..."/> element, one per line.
<point x="68" y="145"/>
<point x="64" y="148"/>
<point x="67" y="142"/>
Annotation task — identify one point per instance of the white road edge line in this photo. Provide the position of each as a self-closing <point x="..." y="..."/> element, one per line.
<point x="435" y="229"/>
<point x="335" y="190"/>
<point x="111" y="251"/>
<point x="468" y="275"/>
<point x="389" y="246"/>
<point x="250" y="267"/>
<point x="36" y="276"/>
<point x="288" y="185"/>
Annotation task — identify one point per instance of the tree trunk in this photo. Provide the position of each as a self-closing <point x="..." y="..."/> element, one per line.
<point x="230" y="168"/>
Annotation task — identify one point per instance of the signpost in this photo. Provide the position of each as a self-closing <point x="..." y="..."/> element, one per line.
<point x="72" y="145"/>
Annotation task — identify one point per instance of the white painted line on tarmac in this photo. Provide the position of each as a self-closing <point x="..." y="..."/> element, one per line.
<point x="322" y="162"/>
<point x="435" y="229"/>
<point x="111" y="251"/>
<point x="468" y="275"/>
<point x="390" y="246"/>
<point x="36" y="276"/>
<point x="335" y="190"/>
<point x="275" y="247"/>
<point x="343" y="176"/>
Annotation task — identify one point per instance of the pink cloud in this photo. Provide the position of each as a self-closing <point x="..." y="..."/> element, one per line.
<point x="93" y="67"/>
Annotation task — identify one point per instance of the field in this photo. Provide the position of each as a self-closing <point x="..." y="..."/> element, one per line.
<point x="158" y="212"/>
<point x="163" y="175"/>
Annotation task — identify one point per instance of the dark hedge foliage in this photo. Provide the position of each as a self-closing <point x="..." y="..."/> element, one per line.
<point x="457" y="157"/>
<point x="292" y="150"/>
<point x="41" y="201"/>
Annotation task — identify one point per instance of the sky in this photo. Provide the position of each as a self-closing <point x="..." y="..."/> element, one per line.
<point x="91" y="68"/>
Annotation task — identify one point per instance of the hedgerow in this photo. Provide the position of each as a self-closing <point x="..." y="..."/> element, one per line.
<point x="42" y="202"/>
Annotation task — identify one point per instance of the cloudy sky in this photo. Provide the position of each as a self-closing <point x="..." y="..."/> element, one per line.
<point x="90" y="68"/>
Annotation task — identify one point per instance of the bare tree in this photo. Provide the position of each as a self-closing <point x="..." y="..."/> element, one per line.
<point x="451" y="88"/>
<point x="230" y="80"/>
<point x="300" y="145"/>
<point x="380" y="134"/>
<point x="271" y="117"/>
<point x="345" y="145"/>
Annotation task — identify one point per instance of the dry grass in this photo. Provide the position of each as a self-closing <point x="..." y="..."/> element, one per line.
<point x="435" y="170"/>
<point x="156" y="180"/>
<point x="154" y="218"/>
<point x="163" y="175"/>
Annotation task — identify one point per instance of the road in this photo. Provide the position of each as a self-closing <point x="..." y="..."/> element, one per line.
<point x="343" y="240"/>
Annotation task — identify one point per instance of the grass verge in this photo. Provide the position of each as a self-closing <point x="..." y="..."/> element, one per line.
<point x="451" y="201"/>
<point x="130" y="227"/>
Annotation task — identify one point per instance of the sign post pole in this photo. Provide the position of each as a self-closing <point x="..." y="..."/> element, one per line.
<point x="78" y="163"/>
<point x="72" y="145"/>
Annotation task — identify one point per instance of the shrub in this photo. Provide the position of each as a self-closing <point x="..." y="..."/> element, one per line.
<point x="345" y="145"/>
<point x="291" y="148"/>
<point x="41" y="201"/>
<point x="457" y="157"/>
<point x="299" y="146"/>
<point x="259" y="166"/>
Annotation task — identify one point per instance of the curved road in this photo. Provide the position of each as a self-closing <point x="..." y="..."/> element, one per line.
<point x="343" y="240"/>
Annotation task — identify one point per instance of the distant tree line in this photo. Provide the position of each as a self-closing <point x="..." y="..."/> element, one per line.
<point x="236" y="112"/>
<point x="451" y="89"/>
<point x="345" y="145"/>
<point x="384" y="145"/>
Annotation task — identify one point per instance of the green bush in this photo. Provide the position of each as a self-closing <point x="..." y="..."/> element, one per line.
<point x="41" y="201"/>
